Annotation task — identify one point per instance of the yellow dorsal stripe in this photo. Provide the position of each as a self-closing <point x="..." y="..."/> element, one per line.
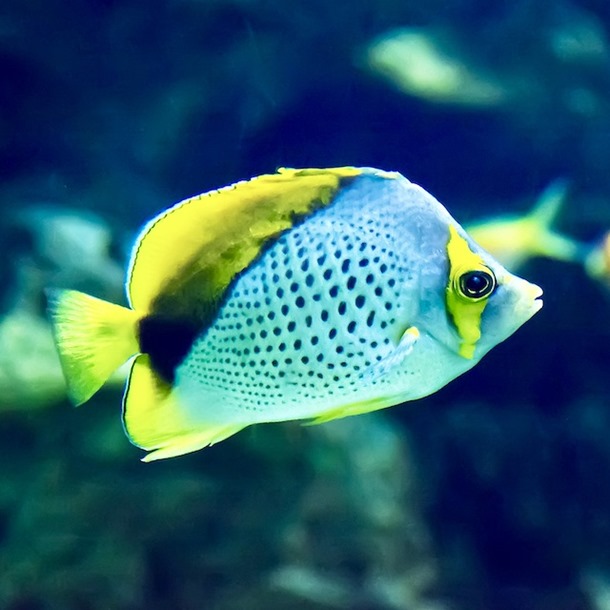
<point x="466" y="313"/>
<point x="197" y="247"/>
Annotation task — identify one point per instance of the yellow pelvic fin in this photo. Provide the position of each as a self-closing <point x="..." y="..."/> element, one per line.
<point x="155" y="420"/>
<point x="356" y="408"/>
<point x="93" y="337"/>
<point x="198" y="246"/>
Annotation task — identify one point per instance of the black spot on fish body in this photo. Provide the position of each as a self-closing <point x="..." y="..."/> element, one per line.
<point x="166" y="342"/>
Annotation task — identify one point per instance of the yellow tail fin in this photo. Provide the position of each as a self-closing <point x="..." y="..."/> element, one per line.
<point x="546" y="241"/>
<point x="93" y="339"/>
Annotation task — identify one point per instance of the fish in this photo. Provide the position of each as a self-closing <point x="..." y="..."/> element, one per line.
<point x="432" y="65"/>
<point x="514" y="239"/>
<point x="307" y="294"/>
<point x="596" y="261"/>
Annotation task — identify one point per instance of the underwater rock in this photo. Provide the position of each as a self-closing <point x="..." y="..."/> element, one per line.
<point x="67" y="247"/>
<point x="282" y="516"/>
<point x="30" y="375"/>
<point x="47" y="246"/>
<point x="359" y="537"/>
<point x="596" y="585"/>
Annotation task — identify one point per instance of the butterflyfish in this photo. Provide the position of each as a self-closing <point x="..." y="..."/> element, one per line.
<point x="513" y="239"/>
<point x="308" y="294"/>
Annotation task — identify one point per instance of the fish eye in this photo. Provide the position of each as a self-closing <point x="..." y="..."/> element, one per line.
<point x="477" y="284"/>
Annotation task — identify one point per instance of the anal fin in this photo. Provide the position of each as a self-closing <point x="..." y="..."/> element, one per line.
<point x="155" y="420"/>
<point x="356" y="408"/>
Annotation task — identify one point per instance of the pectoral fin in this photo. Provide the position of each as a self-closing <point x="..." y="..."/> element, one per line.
<point x="394" y="359"/>
<point x="378" y="370"/>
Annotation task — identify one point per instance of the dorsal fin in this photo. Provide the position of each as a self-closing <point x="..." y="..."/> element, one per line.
<point x="186" y="257"/>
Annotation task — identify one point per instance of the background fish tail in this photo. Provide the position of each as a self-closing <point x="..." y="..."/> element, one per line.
<point x="548" y="242"/>
<point x="94" y="337"/>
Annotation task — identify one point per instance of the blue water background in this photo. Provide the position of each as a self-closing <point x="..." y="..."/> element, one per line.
<point x="121" y="108"/>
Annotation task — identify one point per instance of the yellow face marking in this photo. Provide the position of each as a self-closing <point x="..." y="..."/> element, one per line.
<point x="468" y="288"/>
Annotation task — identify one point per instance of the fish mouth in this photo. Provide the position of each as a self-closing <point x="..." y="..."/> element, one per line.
<point x="538" y="303"/>
<point x="535" y="293"/>
<point x="528" y="301"/>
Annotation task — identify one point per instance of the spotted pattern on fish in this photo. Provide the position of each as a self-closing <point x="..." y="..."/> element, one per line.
<point x="316" y="311"/>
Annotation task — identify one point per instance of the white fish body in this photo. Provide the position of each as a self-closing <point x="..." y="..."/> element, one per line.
<point x="308" y="294"/>
<point x="304" y="330"/>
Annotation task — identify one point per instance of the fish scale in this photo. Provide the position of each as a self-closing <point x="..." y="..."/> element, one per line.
<point x="301" y="326"/>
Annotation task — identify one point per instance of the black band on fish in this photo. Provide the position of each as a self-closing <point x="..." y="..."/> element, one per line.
<point x="167" y="342"/>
